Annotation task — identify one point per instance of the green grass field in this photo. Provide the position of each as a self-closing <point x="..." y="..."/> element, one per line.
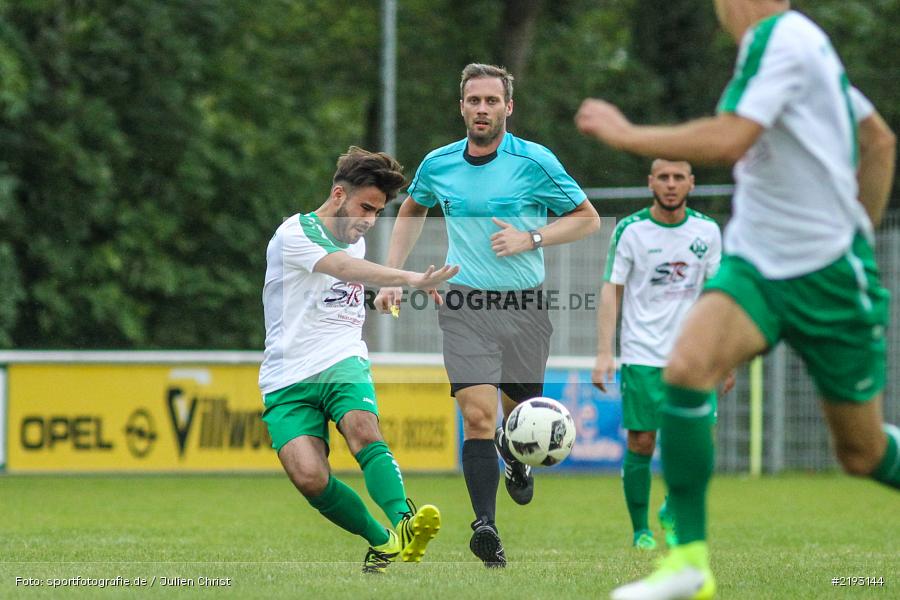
<point x="780" y="537"/>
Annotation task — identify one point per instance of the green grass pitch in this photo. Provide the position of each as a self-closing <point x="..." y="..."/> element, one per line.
<point x="778" y="537"/>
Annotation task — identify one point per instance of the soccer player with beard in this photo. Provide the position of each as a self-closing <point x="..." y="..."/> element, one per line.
<point x="658" y="261"/>
<point x="495" y="190"/>
<point x="315" y="368"/>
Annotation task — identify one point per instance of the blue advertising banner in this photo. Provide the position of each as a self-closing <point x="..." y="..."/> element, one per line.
<point x="601" y="441"/>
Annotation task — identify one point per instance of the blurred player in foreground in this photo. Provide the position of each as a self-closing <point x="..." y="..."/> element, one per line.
<point x="659" y="258"/>
<point x="315" y="367"/>
<point x="495" y="190"/>
<point x="814" y="169"/>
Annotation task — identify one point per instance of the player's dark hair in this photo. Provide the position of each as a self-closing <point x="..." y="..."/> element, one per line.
<point x="659" y="160"/>
<point x="477" y="70"/>
<point x="361" y="168"/>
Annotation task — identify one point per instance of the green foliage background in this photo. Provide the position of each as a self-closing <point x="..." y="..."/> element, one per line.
<point x="150" y="147"/>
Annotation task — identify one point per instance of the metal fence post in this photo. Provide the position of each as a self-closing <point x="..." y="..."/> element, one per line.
<point x="776" y="441"/>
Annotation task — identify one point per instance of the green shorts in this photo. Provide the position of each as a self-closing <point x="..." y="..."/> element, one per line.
<point x="835" y="318"/>
<point x="305" y="407"/>
<point x="643" y="392"/>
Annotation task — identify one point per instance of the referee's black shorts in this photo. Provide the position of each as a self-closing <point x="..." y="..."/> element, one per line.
<point x="496" y="338"/>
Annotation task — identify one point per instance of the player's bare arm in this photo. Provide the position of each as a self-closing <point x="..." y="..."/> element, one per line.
<point x="877" y="153"/>
<point x="573" y="226"/>
<point x="722" y="139"/>
<point x="346" y="268"/>
<point x="604" y="371"/>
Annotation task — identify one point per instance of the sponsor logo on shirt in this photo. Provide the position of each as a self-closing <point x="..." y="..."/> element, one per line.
<point x="668" y="273"/>
<point x="654" y="250"/>
<point x="344" y="294"/>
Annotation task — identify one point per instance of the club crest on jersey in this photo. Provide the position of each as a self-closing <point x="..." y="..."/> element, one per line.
<point x="344" y="294"/>
<point x="699" y="247"/>
<point x="670" y="272"/>
<point x="446" y="203"/>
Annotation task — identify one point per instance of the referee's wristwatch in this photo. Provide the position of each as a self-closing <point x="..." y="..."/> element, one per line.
<point x="537" y="240"/>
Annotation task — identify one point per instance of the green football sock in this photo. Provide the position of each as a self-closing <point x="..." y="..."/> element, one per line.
<point x="686" y="448"/>
<point x="636" y="481"/>
<point x="383" y="480"/>
<point x="343" y="507"/>
<point x="664" y="509"/>
<point x="888" y="471"/>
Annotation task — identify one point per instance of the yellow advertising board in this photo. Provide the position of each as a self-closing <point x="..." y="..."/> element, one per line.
<point x="144" y="417"/>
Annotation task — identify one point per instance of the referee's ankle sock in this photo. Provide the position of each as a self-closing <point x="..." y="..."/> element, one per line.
<point x="686" y="449"/>
<point x="482" y="473"/>
<point x="888" y="471"/>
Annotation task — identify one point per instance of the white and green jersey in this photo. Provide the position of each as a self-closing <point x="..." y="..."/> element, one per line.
<point x="795" y="205"/>
<point x="663" y="267"/>
<point x="313" y="320"/>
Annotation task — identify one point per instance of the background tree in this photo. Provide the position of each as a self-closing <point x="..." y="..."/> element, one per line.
<point x="151" y="147"/>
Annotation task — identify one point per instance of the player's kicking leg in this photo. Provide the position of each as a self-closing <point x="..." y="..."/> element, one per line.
<point x="414" y="528"/>
<point x="304" y="460"/>
<point x="716" y="335"/>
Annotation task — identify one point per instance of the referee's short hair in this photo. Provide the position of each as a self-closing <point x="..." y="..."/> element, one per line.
<point x="361" y="168"/>
<point x="478" y="70"/>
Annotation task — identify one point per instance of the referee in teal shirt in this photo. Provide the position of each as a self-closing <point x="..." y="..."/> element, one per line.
<point x="495" y="190"/>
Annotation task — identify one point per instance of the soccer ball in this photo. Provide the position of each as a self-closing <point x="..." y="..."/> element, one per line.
<point x="540" y="432"/>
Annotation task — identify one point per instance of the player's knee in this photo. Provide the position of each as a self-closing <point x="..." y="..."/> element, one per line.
<point x="477" y="421"/>
<point x="690" y="371"/>
<point x="642" y="444"/>
<point x="858" y="461"/>
<point x="360" y="429"/>
<point x="310" y="482"/>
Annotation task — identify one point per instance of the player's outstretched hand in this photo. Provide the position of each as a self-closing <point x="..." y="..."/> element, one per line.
<point x="388" y="299"/>
<point x="431" y="278"/>
<point x="602" y="120"/>
<point x="604" y="372"/>
<point x="509" y="240"/>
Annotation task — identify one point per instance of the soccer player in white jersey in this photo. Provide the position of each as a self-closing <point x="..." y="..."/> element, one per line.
<point x="815" y="164"/>
<point x="658" y="261"/>
<point x="316" y="369"/>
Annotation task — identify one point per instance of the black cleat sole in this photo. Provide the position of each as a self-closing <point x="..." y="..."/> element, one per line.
<point x="486" y="545"/>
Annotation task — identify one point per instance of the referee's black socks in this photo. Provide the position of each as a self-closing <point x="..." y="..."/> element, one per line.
<point x="482" y="473"/>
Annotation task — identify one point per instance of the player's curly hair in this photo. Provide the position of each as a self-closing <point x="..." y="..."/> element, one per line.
<point x="477" y="70"/>
<point x="361" y="168"/>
